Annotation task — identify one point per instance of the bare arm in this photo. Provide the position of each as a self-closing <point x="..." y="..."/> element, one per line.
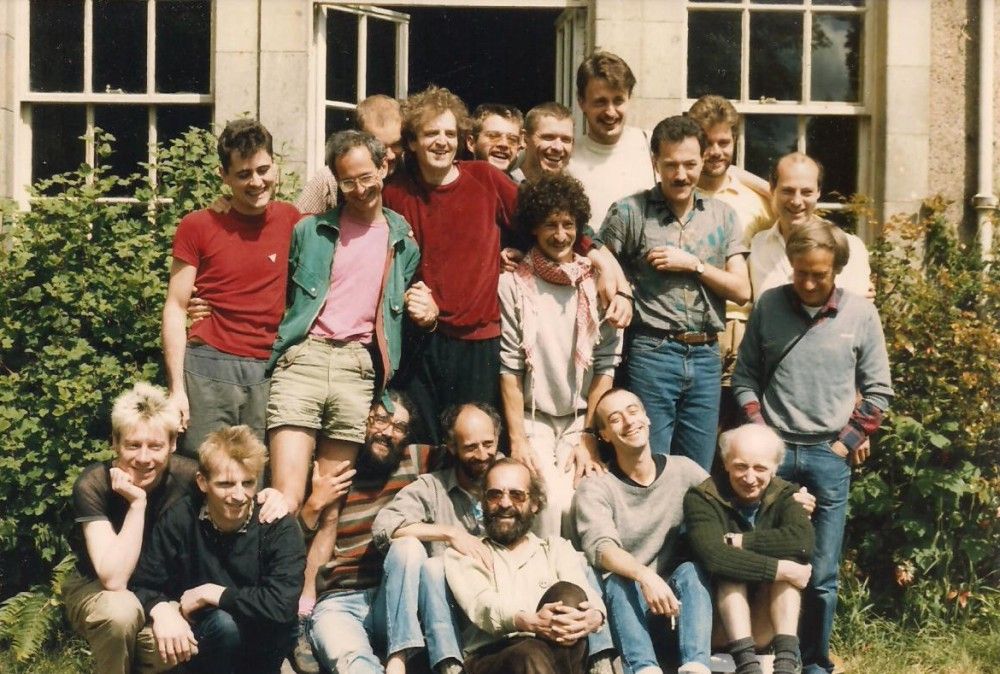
<point x="611" y="282"/>
<point x="174" y="331"/>
<point x="114" y="556"/>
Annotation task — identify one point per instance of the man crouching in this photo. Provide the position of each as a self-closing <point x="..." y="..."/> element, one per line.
<point x="220" y="587"/>
<point x="755" y="540"/>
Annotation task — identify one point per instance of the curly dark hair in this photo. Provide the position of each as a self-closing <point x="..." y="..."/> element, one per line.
<point x="552" y="193"/>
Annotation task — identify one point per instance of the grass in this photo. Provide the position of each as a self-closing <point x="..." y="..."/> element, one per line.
<point x="882" y="648"/>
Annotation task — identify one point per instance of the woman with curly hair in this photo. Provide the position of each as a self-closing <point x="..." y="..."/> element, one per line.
<point x="557" y="354"/>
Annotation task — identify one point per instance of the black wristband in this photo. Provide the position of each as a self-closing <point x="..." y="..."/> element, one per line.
<point x="622" y="293"/>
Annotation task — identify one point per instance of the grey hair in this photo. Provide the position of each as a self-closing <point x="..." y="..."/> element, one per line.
<point x="820" y="234"/>
<point x="755" y="433"/>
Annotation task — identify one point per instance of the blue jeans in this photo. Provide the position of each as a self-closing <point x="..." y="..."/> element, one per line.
<point x="828" y="477"/>
<point x="633" y="626"/>
<point x="679" y="387"/>
<point x="346" y="628"/>
<point x="439" y="615"/>
<point x="226" y="646"/>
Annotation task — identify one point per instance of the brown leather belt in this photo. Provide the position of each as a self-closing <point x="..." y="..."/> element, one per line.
<point x="688" y="338"/>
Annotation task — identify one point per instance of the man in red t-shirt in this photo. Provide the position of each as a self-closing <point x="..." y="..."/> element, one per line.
<point x="239" y="262"/>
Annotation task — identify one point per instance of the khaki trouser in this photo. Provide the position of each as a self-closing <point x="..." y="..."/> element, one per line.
<point x="112" y="623"/>
<point x="729" y="346"/>
<point x="553" y="440"/>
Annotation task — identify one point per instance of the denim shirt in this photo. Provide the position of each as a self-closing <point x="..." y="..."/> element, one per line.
<point x="310" y="261"/>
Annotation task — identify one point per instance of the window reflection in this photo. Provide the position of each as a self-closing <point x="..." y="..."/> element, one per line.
<point x="833" y="140"/>
<point x="119" y="46"/>
<point x="767" y="138"/>
<point x="714" y="54"/>
<point x="836" y="57"/>
<point x="776" y="56"/>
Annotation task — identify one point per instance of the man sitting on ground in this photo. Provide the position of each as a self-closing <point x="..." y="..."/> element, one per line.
<point x="755" y="540"/>
<point x="220" y="587"/>
<point x="531" y="609"/>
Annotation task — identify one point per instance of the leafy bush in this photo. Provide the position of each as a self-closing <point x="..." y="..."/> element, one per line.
<point x="924" y="530"/>
<point x="82" y="284"/>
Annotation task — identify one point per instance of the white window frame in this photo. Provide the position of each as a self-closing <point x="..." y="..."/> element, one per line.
<point x="88" y="97"/>
<point x="315" y="157"/>
<point x="862" y="109"/>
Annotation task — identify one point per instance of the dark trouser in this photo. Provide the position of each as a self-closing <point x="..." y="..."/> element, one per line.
<point x="223" y="390"/>
<point x="444" y="371"/>
<point x="228" y="647"/>
<point x="531" y="655"/>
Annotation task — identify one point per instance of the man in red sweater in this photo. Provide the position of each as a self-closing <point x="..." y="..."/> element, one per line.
<point x="239" y="262"/>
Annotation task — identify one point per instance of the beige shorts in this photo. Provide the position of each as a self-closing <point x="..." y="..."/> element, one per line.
<point x="326" y="386"/>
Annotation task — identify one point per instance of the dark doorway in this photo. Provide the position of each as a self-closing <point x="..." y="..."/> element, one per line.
<point x="484" y="55"/>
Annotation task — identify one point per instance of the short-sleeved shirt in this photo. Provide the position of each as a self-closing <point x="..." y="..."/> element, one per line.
<point x="95" y="501"/>
<point x="672" y="301"/>
<point x="242" y="268"/>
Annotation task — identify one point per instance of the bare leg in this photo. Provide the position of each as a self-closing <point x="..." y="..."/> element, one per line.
<point x="734" y="609"/>
<point x="291" y="455"/>
<point x="396" y="664"/>
<point x="331" y="453"/>
<point x="786" y="601"/>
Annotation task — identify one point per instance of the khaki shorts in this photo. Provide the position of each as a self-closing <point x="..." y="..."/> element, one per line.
<point x="323" y="385"/>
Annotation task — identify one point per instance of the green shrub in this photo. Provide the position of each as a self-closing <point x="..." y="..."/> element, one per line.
<point x="924" y="531"/>
<point x="82" y="284"/>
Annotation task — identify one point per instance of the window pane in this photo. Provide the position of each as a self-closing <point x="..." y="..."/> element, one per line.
<point x="183" y="44"/>
<point x="776" y="2"/>
<point x="338" y="120"/>
<point x="341" y="57"/>
<point x="776" y="56"/>
<point x="836" y="57"/>
<point x="713" y="54"/>
<point x="119" y="46"/>
<point x="173" y="120"/>
<point x="834" y="142"/>
<point x="767" y="138"/>
<point x="129" y="124"/>
<point x="840" y="3"/>
<point x="56" y="51"/>
<point x="56" y="146"/>
<point x="381" y="58"/>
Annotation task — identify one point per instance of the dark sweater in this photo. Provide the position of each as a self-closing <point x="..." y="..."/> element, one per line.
<point x="781" y="530"/>
<point x="261" y="567"/>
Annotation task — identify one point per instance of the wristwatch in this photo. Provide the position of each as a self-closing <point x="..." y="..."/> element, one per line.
<point x="700" y="269"/>
<point x="728" y="538"/>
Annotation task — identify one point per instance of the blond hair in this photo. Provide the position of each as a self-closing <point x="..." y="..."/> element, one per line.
<point x="431" y="102"/>
<point x="144" y="403"/>
<point x="238" y="443"/>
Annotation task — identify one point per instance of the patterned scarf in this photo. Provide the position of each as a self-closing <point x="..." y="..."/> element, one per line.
<point x="577" y="273"/>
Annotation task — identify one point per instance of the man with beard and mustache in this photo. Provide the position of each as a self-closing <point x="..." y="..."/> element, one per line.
<point x="529" y="610"/>
<point x="683" y="255"/>
<point x="366" y="603"/>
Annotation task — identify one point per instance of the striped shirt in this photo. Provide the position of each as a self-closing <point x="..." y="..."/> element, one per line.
<point x="357" y="563"/>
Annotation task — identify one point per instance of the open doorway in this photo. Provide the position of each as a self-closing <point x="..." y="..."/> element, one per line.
<point x="484" y="56"/>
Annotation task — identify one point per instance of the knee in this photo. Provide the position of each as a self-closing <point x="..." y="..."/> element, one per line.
<point x="432" y="571"/>
<point x="118" y="613"/>
<point x="221" y="630"/>
<point x="728" y="590"/>
<point x="533" y="657"/>
<point x="565" y="592"/>
<point x="406" y="552"/>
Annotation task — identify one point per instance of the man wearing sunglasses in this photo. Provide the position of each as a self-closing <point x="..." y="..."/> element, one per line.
<point x="532" y="608"/>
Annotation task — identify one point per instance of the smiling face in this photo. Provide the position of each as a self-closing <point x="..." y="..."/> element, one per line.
<point x="508" y="509"/>
<point x="474" y="445"/>
<point x="555" y="236"/>
<point x="229" y="488"/>
<point x="624" y="423"/>
<point x="385" y="435"/>
<point x="360" y="181"/>
<point x="718" y="155"/>
<point x="251" y="180"/>
<point x="678" y="164"/>
<point x="550" y="146"/>
<point x="750" y="466"/>
<point x="143" y="452"/>
<point x="605" y="107"/>
<point x="498" y="142"/>
<point x="795" y="193"/>
<point x="435" y="146"/>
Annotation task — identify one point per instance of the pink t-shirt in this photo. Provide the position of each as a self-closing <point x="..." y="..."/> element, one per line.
<point x="348" y="313"/>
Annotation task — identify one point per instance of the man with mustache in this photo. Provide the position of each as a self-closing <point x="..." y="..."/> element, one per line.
<point x="495" y="135"/>
<point x="529" y="610"/>
<point x="366" y="608"/>
<point x="220" y="587"/>
<point x="683" y="255"/>
<point x="611" y="158"/>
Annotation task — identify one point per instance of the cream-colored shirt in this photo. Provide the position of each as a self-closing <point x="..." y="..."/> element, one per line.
<point x="770" y="268"/>
<point x="520" y="577"/>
